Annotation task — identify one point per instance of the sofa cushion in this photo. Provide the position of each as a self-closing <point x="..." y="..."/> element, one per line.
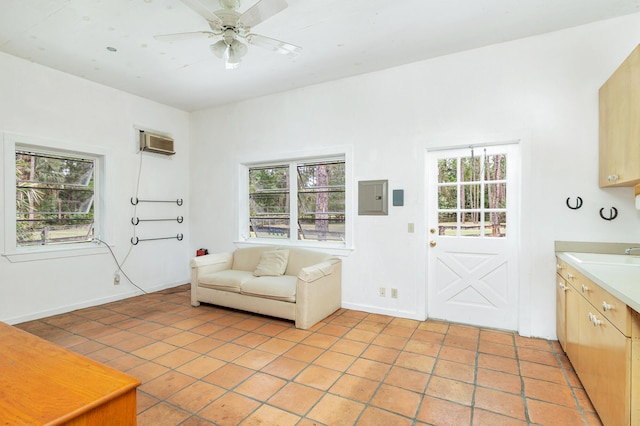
<point x="272" y="263"/>
<point x="229" y="280"/>
<point x="279" y="288"/>
<point x="247" y="258"/>
<point x="299" y="258"/>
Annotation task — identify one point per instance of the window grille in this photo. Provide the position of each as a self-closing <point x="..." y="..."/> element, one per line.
<point x="319" y="189"/>
<point x="54" y="198"/>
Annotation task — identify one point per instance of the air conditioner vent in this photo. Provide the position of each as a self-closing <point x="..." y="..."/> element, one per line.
<point x="156" y="143"/>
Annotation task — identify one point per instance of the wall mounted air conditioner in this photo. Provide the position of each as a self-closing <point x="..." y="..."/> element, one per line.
<point x="156" y="143"/>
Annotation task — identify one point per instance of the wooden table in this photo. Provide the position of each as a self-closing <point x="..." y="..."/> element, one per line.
<point x="44" y="384"/>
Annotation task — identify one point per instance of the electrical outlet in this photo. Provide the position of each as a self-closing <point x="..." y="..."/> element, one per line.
<point x="381" y="292"/>
<point x="116" y="278"/>
<point x="394" y="293"/>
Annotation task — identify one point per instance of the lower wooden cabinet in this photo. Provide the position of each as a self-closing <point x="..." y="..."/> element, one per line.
<point x="601" y="338"/>
<point x="604" y="365"/>
<point x="561" y="311"/>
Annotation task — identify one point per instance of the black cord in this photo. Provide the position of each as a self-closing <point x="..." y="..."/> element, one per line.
<point x="118" y="264"/>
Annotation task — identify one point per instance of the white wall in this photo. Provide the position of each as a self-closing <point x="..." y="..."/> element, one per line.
<point x="541" y="90"/>
<point x="39" y="102"/>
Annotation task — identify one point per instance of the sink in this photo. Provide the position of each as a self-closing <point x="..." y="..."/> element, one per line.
<point x="606" y="259"/>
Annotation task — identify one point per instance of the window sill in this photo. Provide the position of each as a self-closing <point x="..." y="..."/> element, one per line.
<point x="334" y="249"/>
<point x="35" y="254"/>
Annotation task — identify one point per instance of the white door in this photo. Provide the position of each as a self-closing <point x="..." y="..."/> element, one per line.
<point x="472" y="275"/>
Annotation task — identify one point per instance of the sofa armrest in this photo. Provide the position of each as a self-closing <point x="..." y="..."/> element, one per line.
<point x="211" y="259"/>
<point x="205" y="265"/>
<point x="314" y="272"/>
<point x="318" y="293"/>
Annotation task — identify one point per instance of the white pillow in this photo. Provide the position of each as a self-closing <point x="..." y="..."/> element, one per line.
<point x="272" y="263"/>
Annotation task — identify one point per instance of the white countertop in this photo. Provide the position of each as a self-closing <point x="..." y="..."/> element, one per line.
<point x="616" y="273"/>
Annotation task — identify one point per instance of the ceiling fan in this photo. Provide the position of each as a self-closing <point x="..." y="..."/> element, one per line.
<point x="230" y="25"/>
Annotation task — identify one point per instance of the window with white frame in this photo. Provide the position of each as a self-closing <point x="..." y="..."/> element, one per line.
<point x="298" y="200"/>
<point x="51" y="194"/>
<point x="54" y="198"/>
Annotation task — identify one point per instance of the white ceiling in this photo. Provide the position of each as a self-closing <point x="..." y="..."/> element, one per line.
<point x="340" y="38"/>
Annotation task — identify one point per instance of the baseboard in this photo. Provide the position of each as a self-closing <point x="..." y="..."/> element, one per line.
<point x="382" y="311"/>
<point x="86" y="304"/>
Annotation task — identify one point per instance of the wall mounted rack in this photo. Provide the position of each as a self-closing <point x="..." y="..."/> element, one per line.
<point x="135" y="201"/>
<point x="137" y="220"/>
<point x="136" y="240"/>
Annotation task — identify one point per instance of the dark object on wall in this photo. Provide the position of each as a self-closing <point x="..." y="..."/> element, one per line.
<point x="398" y="197"/>
<point x="578" y="203"/>
<point x="202" y="252"/>
<point x="613" y="213"/>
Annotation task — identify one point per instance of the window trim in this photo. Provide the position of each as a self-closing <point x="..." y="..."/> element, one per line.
<point x="12" y="251"/>
<point x="342" y="153"/>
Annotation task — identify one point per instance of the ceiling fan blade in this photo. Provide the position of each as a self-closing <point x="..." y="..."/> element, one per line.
<point x="213" y="19"/>
<point x="261" y="11"/>
<point x="184" y="36"/>
<point x="274" y="45"/>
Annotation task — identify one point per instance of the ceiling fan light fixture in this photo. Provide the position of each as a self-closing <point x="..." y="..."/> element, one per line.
<point x="218" y="48"/>
<point x="233" y="54"/>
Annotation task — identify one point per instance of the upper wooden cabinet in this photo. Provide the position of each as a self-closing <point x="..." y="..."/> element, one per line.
<point x="620" y="125"/>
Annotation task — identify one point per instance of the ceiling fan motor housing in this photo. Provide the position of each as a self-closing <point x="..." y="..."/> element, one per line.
<point x="230" y="4"/>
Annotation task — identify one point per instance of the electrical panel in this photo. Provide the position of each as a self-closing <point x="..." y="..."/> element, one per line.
<point x="373" y="197"/>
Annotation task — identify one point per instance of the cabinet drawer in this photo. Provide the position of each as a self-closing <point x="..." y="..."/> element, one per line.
<point x="610" y="307"/>
<point x="564" y="270"/>
<point x="603" y="302"/>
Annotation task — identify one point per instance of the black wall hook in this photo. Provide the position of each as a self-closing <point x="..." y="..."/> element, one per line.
<point x="578" y="203"/>
<point x="613" y="213"/>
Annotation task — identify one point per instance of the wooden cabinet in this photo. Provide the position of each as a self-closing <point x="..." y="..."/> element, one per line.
<point x="602" y="340"/>
<point x="604" y="365"/>
<point x="620" y="125"/>
<point x="44" y="384"/>
<point x="561" y="311"/>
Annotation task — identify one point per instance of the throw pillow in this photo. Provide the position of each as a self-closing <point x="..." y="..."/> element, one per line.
<point x="272" y="263"/>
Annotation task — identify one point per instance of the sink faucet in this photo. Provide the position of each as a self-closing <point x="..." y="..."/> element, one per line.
<point x="630" y="249"/>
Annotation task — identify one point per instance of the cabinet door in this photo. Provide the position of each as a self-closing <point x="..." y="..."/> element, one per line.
<point x="561" y="311"/>
<point x="604" y="370"/>
<point x="572" y="329"/>
<point x="619" y="106"/>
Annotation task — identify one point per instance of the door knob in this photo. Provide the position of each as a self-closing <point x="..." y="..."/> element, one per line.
<point x="432" y="230"/>
<point x="432" y="243"/>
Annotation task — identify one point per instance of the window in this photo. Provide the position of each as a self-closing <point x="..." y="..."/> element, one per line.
<point x="318" y="188"/>
<point x="472" y="196"/>
<point x="53" y="193"/>
<point x="54" y="198"/>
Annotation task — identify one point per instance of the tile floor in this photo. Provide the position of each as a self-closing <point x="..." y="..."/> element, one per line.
<point x="214" y="366"/>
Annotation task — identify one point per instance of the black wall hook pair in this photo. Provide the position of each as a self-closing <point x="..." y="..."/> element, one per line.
<point x="613" y="212"/>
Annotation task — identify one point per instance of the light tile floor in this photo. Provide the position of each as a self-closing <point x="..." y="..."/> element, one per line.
<point x="209" y="365"/>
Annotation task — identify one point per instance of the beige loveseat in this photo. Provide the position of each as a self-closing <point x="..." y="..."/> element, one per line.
<point x="291" y="283"/>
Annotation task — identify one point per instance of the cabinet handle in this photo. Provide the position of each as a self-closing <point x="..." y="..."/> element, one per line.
<point x="606" y="307"/>
<point x="596" y="322"/>
<point x="562" y="286"/>
<point x="570" y="276"/>
<point x="584" y="288"/>
<point x="612" y="178"/>
<point x="558" y="266"/>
